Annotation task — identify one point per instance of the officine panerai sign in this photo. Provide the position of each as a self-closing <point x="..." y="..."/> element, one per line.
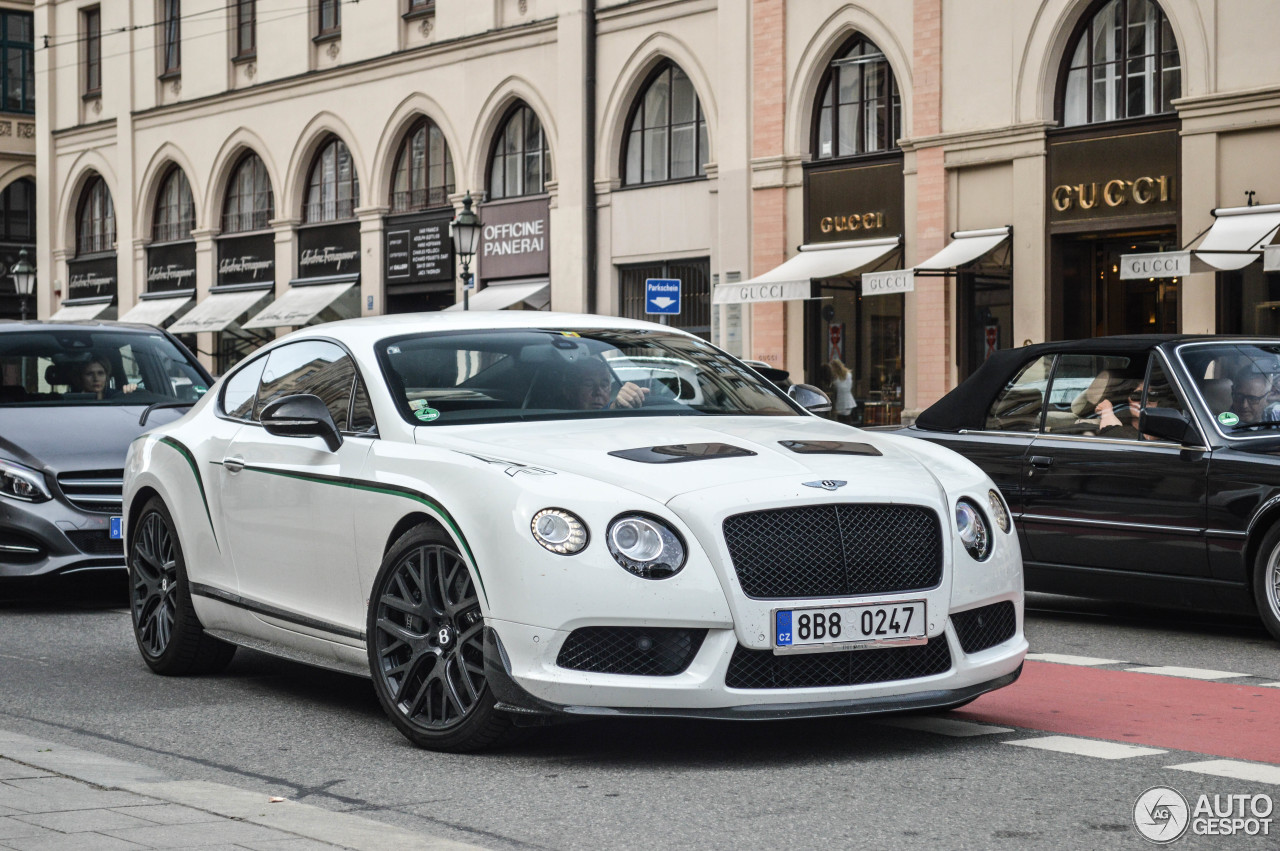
<point x="515" y="240"/>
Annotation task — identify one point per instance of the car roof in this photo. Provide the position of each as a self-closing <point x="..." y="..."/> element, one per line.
<point x="11" y="325"/>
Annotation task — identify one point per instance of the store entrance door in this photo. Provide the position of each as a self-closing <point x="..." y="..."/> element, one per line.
<point x="1091" y="299"/>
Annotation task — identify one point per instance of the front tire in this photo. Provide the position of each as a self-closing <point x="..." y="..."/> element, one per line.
<point x="425" y="638"/>
<point x="165" y="625"/>
<point x="1266" y="582"/>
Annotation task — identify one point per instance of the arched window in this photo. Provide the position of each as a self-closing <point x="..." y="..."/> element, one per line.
<point x="859" y="110"/>
<point x="96" y="224"/>
<point x="250" y="204"/>
<point x="423" y="175"/>
<point x="668" y="135"/>
<point x="175" y="210"/>
<point x="333" y="189"/>
<point x="521" y="161"/>
<point x="18" y="211"/>
<point x="1124" y="64"/>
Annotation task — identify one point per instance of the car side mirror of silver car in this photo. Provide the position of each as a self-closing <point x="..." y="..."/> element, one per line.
<point x="810" y="398"/>
<point x="303" y="415"/>
<point x="1167" y="424"/>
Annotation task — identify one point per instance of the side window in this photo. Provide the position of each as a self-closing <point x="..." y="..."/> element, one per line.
<point x="1097" y="395"/>
<point x="312" y="366"/>
<point x="1160" y="391"/>
<point x="241" y="390"/>
<point x="1018" y="406"/>
<point x="362" y="421"/>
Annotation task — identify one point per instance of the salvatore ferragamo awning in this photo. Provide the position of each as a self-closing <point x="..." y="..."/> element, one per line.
<point x="298" y="306"/>
<point x="218" y="310"/>
<point x="1235" y="240"/>
<point x="154" y="311"/>
<point x="81" y="311"/>
<point x="791" y="280"/>
<point x="965" y="247"/>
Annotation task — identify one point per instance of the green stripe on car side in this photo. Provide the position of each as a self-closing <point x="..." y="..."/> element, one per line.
<point x="191" y="462"/>
<point x="388" y="490"/>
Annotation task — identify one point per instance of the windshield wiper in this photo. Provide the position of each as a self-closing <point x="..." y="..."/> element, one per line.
<point x="142" y="420"/>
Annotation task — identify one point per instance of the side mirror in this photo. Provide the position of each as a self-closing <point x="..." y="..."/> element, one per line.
<point x="810" y="398"/>
<point x="303" y="415"/>
<point x="1167" y="424"/>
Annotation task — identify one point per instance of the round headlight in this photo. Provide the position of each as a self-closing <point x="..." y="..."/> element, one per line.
<point x="972" y="527"/>
<point x="559" y="531"/>
<point x="998" y="511"/>
<point x="645" y="546"/>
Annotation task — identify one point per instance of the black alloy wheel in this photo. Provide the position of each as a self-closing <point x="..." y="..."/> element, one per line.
<point x="165" y="625"/>
<point x="426" y="646"/>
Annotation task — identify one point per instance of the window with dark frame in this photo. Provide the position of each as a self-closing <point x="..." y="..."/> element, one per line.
<point x="668" y="135"/>
<point x="333" y="188"/>
<point x="520" y="163"/>
<point x="246" y="12"/>
<point x="859" y="109"/>
<point x="175" y="214"/>
<point x="1124" y="64"/>
<point x="695" y="292"/>
<point x="423" y="174"/>
<point x="17" y="65"/>
<point x="172" y="38"/>
<point x="419" y="7"/>
<point x="91" y="26"/>
<point x="328" y="17"/>
<point x="96" y="224"/>
<point x="250" y="203"/>
<point x="18" y="211"/>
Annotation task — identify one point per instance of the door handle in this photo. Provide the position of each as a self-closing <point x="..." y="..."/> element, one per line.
<point x="1041" y="461"/>
<point x="234" y="464"/>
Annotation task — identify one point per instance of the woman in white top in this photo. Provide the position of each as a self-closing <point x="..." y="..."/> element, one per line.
<point x="842" y="381"/>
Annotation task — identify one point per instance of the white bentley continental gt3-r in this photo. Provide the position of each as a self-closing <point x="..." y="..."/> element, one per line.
<point x="507" y="517"/>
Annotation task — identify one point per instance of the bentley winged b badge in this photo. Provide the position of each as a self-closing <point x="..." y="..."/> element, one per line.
<point x="826" y="484"/>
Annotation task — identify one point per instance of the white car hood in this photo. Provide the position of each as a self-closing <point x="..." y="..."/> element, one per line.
<point x="583" y="446"/>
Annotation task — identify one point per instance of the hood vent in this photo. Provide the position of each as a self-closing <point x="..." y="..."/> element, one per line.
<point x="829" y="447"/>
<point x="682" y="452"/>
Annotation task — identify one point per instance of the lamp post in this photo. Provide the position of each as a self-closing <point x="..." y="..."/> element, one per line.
<point x="465" y="229"/>
<point x="24" y="275"/>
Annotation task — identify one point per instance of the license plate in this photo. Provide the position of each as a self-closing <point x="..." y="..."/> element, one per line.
<point x="874" y="625"/>
<point x="117" y="529"/>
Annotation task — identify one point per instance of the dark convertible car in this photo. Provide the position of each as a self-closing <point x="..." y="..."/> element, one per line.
<point x="1142" y="468"/>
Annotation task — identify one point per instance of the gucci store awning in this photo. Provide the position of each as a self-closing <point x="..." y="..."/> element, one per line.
<point x="299" y="305"/>
<point x="81" y="311"/>
<point x="1271" y="259"/>
<point x="218" y="310"/>
<point x="965" y="247"/>
<point x="1235" y="240"/>
<point x="791" y="280"/>
<point x="155" y="309"/>
<point x="501" y="296"/>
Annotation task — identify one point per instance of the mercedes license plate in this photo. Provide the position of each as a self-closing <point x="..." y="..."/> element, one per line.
<point x="877" y="624"/>
<point x="116" y="530"/>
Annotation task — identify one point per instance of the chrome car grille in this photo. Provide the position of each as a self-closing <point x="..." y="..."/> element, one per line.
<point x="835" y="550"/>
<point x="760" y="669"/>
<point x="985" y="627"/>
<point x="100" y="491"/>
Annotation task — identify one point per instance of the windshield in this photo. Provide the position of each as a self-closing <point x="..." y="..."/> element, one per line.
<point x="501" y="376"/>
<point x="1240" y="383"/>
<point x="95" y="366"/>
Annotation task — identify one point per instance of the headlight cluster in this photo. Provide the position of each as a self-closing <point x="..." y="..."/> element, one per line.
<point x="24" y="483"/>
<point x="999" y="511"/>
<point x="643" y="545"/>
<point x="973" y="530"/>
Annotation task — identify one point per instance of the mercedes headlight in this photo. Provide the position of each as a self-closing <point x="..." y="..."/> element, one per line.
<point x="645" y="546"/>
<point x="559" y="531"/>
<point x="973" y="530"/>
<point x="24" y="483"/>
<point x="999" y="511"/>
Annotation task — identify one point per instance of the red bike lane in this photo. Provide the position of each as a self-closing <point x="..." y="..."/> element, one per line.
<point x="1217" y="719"/>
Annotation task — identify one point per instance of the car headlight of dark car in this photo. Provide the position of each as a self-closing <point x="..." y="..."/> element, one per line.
<point x="24" y="483"/>
<point x="645" y="546"/>
<point x="975" y="534"/>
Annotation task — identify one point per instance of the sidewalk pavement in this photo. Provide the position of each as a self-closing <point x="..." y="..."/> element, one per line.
<point x="57" y="798"/>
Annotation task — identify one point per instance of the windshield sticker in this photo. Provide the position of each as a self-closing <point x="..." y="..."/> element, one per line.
<point x="570" y="334"/>
<point x="1227" y="418"/>
<point x="393" y="350"/>
<point x="426" y="414"/>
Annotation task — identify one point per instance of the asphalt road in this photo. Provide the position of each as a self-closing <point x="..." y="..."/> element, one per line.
<point x="70" y="673"/>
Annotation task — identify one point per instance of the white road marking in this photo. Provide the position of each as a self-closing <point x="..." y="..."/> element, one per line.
<point x="1188" y="673"/>
<point x="945" y="726"/>
<point x="1062" y="659"/>
<point x="1234" y="769"/>
<point x="1270" y="685"/>
<point x="1085" y="747"/>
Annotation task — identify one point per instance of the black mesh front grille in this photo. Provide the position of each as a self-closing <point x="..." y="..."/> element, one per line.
<point x="760" y="669"/>
<point x="97" y="543"/>
<point x="642" y="651"/>
<point x="986" y="627"/>
<point x="835" y="550"/>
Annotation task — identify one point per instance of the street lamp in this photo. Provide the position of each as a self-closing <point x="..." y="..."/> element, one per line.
<point x="465" y="229"/>
<point x="24" y="275"/>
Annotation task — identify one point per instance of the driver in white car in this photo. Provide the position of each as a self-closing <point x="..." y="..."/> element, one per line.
<point x="587" y="385"/>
